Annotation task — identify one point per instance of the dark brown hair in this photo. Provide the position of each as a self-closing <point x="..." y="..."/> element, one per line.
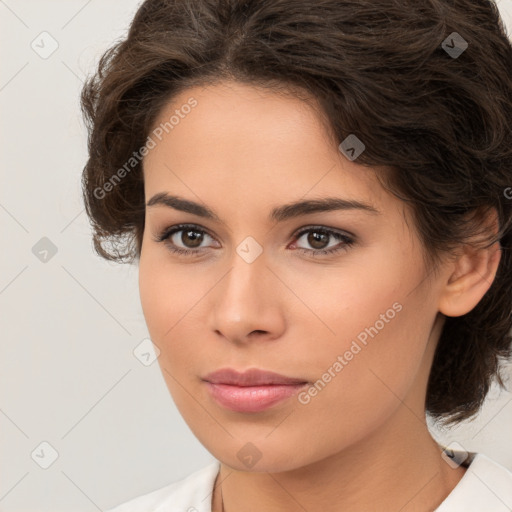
<point x="433" y="107"/>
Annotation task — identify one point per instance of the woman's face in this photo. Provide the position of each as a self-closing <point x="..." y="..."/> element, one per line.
<point x="259" y="291"/>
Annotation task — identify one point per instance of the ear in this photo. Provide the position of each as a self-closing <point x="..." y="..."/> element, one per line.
<point x="471" y="274"/>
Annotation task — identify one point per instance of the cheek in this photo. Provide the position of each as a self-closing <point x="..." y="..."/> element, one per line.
<point x="372" y="332"/>
<point x="165" y="294"/>
<point x="171" y="305"/>
<point x="346" y="300"/>
<point x="153" y="301"/>
<point x="360" y="385"/>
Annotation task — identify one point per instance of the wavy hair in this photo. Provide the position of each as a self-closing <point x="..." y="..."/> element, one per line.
<point x="426" y="85"/>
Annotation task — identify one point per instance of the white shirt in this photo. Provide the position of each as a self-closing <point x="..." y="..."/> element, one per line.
<point x="485" y="487"/>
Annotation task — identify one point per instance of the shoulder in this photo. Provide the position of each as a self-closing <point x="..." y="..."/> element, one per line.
<point x="486" y="485"/>
<point x="191" y="494"/>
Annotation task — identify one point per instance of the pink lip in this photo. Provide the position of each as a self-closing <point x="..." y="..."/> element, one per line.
<point x="251" y="398"/>
<point x="250" y="391"/>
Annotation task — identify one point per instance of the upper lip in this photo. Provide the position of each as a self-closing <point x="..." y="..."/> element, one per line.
<point x="251" y="377"/>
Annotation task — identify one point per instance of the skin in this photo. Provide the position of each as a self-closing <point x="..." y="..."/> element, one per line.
<point x="361" y="443"/>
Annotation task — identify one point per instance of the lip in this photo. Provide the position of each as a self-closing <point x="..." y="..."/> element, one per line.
<point x="250" y="377"/>
<point x="251" y="391"/>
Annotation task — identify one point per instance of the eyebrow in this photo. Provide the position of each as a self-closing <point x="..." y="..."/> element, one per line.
<point x="277" y="214"/>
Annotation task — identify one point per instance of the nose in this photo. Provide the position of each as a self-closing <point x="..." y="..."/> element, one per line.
<point x="247" y="302"/>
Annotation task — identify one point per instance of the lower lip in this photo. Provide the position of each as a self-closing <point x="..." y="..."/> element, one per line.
<point x="251" y="398"/>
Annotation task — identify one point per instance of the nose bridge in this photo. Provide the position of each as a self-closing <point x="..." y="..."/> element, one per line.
<point x="244" y="283"/>
<point x="245" y="300"/>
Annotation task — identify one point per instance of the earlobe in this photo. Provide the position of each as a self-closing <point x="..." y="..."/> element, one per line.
<point x="472" y="275"/>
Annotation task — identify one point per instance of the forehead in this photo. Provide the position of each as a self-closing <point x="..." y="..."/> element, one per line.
<point x="251" y="143"/>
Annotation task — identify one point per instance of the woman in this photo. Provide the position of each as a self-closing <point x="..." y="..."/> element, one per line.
<point x="318" y="199"/>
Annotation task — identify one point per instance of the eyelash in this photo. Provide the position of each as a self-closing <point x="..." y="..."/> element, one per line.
<point x="168" y="232"/>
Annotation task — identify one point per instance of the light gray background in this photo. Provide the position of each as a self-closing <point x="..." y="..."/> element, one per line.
<point x="68" y="373"/>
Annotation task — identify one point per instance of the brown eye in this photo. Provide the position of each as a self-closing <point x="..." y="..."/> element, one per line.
<point x="191" y="238"/>
<point x="184" y="239"/>
<point x="318" y="239"/>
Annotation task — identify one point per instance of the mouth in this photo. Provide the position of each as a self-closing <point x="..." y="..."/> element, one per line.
<point x="254" y="390"/>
